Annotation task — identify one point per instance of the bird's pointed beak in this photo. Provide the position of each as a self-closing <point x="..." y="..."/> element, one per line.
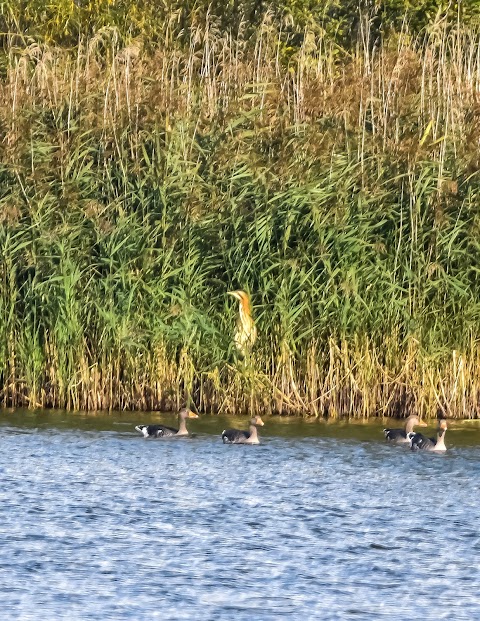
<point x="192" y="414"/>
<point x="422" y="423"/>
<point x="260" y="422"/>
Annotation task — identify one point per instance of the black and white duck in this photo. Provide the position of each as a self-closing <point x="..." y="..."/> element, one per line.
<point x="238" y="436"/>
<point x="162" y="431"/>
<point x="399" y="436"/>
<point x="420" y="442"/>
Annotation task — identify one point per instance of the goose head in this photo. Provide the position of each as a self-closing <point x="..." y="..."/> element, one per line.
<point x="257" y="421"/>
<point x="186" y="413"/>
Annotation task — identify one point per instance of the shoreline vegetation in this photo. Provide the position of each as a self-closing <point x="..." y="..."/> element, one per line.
<point x="331" y="173"/>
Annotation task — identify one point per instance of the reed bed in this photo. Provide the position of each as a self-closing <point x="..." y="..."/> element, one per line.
<point x="140" y="183"/>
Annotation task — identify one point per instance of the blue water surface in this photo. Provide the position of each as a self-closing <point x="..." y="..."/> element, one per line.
<point x="102" y="524"/>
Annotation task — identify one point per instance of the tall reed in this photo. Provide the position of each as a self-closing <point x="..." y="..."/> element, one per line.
<point x="140" y="185"/>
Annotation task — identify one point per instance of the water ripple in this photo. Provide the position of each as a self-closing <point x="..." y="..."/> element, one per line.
<point x="104" y="525"/>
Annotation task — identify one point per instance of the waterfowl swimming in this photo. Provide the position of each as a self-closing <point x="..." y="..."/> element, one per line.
<point x="401" y="435"/>
<point x="162" y="431"/>
<point x="419" y="442"/>
<point x="237" y="436"/>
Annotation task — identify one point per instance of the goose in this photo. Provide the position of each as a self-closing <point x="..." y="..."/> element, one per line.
<point x="162" y="431"/>
<point x="237" y="436"/>
<point x="400" y="435"/>
<point x="420" y="442"/>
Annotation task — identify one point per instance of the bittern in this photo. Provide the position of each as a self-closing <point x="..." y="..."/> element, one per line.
<point x="246" y="331"/>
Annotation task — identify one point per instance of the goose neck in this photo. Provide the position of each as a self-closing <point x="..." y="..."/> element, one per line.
<point x="410" y="424"/>
<point x="440" y="443"/>
<point x="253" y="437"/>
<point x="182" y="428"/>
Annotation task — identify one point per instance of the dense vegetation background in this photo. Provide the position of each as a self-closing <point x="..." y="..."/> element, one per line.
<point x="324" y="156"/>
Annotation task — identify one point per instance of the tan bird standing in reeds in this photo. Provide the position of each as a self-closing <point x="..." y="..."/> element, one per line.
<point x="246" y="331"/>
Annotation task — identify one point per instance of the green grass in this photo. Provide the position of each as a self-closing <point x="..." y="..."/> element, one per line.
<point x="139" y="186"/>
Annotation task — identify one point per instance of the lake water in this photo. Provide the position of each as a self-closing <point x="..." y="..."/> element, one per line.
<point x="318" y="522"/>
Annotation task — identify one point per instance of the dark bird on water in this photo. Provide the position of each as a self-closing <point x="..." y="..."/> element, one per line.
<point x="238" y="436"/>
<point x="420" y="442"/>
<point x="401" y="435"/>
<point x="162" y="431"/>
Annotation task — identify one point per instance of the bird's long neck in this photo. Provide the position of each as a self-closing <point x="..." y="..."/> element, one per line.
<point x="245" y="307"/>
<point x="440" y="443"/>
<point x="245" y="315"/>
<point x="182" y="428"/>
<point x="253" y="437"/>
<point x="410" y="424"/>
